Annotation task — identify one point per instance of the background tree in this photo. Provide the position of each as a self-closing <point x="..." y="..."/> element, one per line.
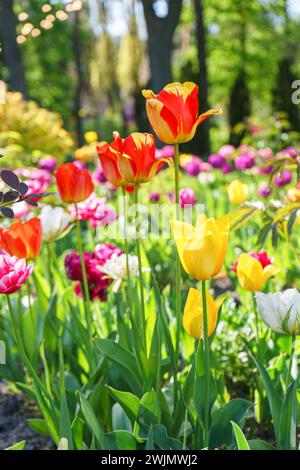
<point x="11" y="51"/>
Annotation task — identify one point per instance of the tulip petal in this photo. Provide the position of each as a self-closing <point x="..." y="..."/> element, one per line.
<point x="250" y="273"/>
<point x="181" y="232"/>
<point x="270" y="271"/>
<point x="193" y="314"/>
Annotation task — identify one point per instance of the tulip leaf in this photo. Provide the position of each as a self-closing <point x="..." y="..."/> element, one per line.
<point x="236" y="410"/>
<point x="125" y="360"/>
<point x="149" y="411"/>
<point x="240" y="437"/>
<point x="119" y="440"/>
<point x="17" y="446"/>
<point x="272" y="394"/>
<point x="38" y="425"/>
<point x="287" y="430"/>
<point x="258" y="444"/>
<point x="91" y="418"/>
<point x="128" y="401"/>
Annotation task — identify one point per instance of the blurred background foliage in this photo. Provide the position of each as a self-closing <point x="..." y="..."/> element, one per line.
<point x="88" y="60"/>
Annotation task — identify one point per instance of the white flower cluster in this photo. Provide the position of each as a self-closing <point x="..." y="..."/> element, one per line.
<point x="116" y="268"/>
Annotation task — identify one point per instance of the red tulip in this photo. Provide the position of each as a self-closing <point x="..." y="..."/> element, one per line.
<point x="74" y="184"/>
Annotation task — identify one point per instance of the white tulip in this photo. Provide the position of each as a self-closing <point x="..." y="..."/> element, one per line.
<point x="280" y="311"/>
<point x="54" y="221"/>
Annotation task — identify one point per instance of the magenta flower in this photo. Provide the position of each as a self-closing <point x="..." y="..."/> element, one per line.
<point x="98" y="282"/>
<point x="165" y="152"/>
<point x="48" y="164"/>
<point x="265" y="153"/>
<point x="290" y="151"/>
<point x="226" y="168"/>
<point x="95" y="211"/>
<point x="244" y="161"/>
<point x="98" y="175"/>
<point x="187" y="197"/>
<point x="282" y="179"/>
<point x="154" y="196"/>
<point x="264" y="190"/>
<point x="226" y="151"/>
<point x="266" y="170"/>
<point x="193" y="168"/>
<point x="216" y="160"/>
<point x="13" y="273"/>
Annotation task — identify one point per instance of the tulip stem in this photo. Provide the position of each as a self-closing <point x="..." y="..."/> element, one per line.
<point x="256" y="319"/>
<point x="86" y="294"/>
<point x="293" y="344"/>
<point x="49" y="264"/>
<point x="207" y="368"/>
<point x="178" y="276"/>
<point x="126" y="245"/>
<point x="30" y="307"/>
<point x="139" y="255"/>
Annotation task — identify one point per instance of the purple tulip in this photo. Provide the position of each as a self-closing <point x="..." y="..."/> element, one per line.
<point x="282" y="179"/>
<point x="244" y="161"/>
<point x="187" y="197"/>
<point x="154" y="196"/>
<point x="48" y="164"/>
<point x="264" y="190"/>
<point x="226" y="168"/>
<point x="216" y="160"/>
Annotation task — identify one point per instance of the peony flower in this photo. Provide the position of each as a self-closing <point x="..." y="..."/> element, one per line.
<point x="95" y="211"/>
<point x="13" y="273"/>
<point x="54" y="222"/>
<point x="187" y="197"/>
<point x="280" y="310"/>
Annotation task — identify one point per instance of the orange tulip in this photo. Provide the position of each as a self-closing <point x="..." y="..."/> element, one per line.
<point x="74" y="184"/>
<point x="173" y="112"/>
<point x="23" y="239"/>
<point x="131" y="160"/>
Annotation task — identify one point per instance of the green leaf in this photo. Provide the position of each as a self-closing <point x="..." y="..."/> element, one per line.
<point x="163" y="441"/>
<point x="150" y="443"/>
<point x="119" y="440"/>
<point x="240" y="438"/>
<point x="272" y="394"/>
<point x="38" y="425"/>
<point x="287" y="430"/>
<point x="120" y="420"/>
<point x="221" y="429"/>
<point x="65" y="424"/>
<point x="257" y="444"/>
<point x="128" y="401"/>
<point x="149" y="411"/>
<point x="91" y="419"/>
<point x="18" y="446"/>
<point x="125" y="360"/>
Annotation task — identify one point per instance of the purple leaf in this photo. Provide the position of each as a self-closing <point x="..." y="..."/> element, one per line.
<point x="23" y="188"/>
<point x="10" y="179"/>
<point x="10" y="196"/>
<point x="7" y="212"/>
<point x="31" y="203"/>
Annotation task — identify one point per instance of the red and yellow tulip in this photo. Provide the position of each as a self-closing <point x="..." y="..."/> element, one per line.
<point x="251" y="274"/>
<point x="131" y="160"/>
<point x="173" y="112"/>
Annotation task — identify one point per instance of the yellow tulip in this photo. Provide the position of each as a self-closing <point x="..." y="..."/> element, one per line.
<point x="251" y="275"/>
<point x="237" y="192"/>
<point x="193" y="313"/>
<point x="202" y="249"/>
<point x="91" y="137"/>
<point x="293" y="195"/>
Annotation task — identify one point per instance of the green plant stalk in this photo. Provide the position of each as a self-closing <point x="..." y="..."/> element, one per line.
<point x="207" y="368"/>
<point x="126" y="245"/>
<point x="289" y="374"/>
<point x="30" y="307"/>
<point x="49" y="264"/>
<point x="256" y="318"/>
<point x="139" y="255"/>
<point x="86" y="294"/>
<point x="177" y="278"/>
<point x="39" y="388"/>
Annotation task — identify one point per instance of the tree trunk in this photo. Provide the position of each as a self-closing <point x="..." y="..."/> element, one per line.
<point x="11" y="51"/>
<point x="202" y="137"/>
<point x="79" y="78"/>
<point x="160" y="41"/>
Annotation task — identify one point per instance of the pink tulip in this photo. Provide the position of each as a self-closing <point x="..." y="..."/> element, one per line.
<point x="13" y="273"/>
